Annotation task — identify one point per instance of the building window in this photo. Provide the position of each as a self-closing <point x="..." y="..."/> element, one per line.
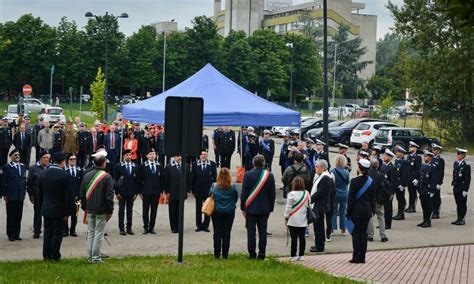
<point x="282" y="28"/>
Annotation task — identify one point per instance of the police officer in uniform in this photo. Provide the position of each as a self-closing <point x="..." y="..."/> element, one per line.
<point x="251" y="150"/>
<point x="310" y="150"/>
<point x="343" y="151"/>
<point x="439" y="163"/>
<point x="76" y="174"/>
<point x="14" y="190"/>
<point x="428" y="181"/>
<point x="267" y="149"/>
<point x="151" y="185"/>
<point x="375" y="154"/>
<point x="215" y="138"/>
<point x="461" y="182"/>
<point x="126" y="189"/>
<point x="205" y="142"/>
<point x="33" y="190"/>
<point x="5" y="140"/>
<point x="284" y="161"/>
<point x="414" y="167"/>
<point x="226" y="146"/>
<point x="320" y="154"/>
<point x="203" y="175"/>
<point x="401" y="176"/>
<point x="172" y="184"/>
<point x="160" y="146"/>
<point x="388" y="170"/>
<point x="57" y="141"/>
<point x="85" y="145"/>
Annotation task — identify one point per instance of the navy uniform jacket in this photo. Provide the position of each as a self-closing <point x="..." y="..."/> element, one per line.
<point x="160" y="143"/>
<point x="401" y="173"/>
<point x="14" y="185"/>
<point x="216" y="136"/>
<point x="32" y="184"/>
<point x="320" y="156"/>
<point x="414" y="167"/>
<point x="226" y="142"/>
<point x="5" y="138"/>
<point x="428" y="180"/>
<point x="57" y="141"/>
<point x="364" y="206"/>
<point x="203" y="174"/>
<point x="439" y="163"/>
<point x="146" y="142"/>
<point x="284" y="160"/>
<point x="150" y="183"/>
<point x="265" y="200"/>
<point x="389" y="171"/>
<point x="127" y="183"/>
<point x="55" y="193"/>
<point x="172" y="180"/>
<point x="461" y="176"/>
<point x="267" y="149"/>
<point x="85" y="142"/>
<point x="205" y="142"/>
<point x="349" y="163"/>
<point x="75" y="181"/>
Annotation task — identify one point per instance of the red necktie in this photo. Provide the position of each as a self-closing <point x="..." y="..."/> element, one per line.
<point x="112" y="140"/>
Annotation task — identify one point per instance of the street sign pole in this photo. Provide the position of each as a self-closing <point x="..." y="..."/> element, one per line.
<point x="80" y="104"/>
<point x="325" y="76"/>
<point x="51" y="86"/>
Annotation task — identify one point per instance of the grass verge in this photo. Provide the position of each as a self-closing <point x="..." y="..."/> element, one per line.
<point x="163" y="269"/>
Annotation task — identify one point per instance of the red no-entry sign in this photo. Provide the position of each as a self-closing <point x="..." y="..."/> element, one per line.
<point x="27" y="90"/>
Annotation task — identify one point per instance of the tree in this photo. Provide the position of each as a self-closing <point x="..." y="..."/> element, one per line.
<point x="270" y="51"/>
<point x="143" y="50"/>
<point x="98" y="94"/>
<point x="177" y="58"/>
<point x="442" y="74"/>
<point x="379" y="86"/>
<point x="348" y="55"/>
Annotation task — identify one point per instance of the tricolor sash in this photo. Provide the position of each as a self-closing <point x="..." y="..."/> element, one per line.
<point x="300" y="203"/>
<point x="91" y="186"/>
<point x="265" y="145"/>
<point x="258" y="187"/>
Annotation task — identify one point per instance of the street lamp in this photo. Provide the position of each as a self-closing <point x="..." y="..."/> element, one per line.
<point x="106" y="17"/>
<point x="164" y="55"/>
<point x="292" y="46"/>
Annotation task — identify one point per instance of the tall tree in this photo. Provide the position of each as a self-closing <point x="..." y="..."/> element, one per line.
<point x="177" y="58"/>
<point x="98" y="93"/>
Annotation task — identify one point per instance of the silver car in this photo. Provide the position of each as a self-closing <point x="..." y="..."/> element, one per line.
<point x="33" y="105"/>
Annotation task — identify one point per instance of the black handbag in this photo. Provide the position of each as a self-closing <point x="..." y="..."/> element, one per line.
<point x="311" y="216"/>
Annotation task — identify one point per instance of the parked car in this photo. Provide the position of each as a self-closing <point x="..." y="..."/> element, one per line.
<point x="86" y="98"/>
<point x="313" y="123"/>
<point x="281" y="130"/>
<point x="390" y="137"/>
<point x="352" y="107"/>
<point x="335" y="112"/>
<point x="342" y="134"/>
<point x="33" y="105"/>
<point x="361" y="113"/>
<point x="12" y="113"/>
<point x="366" y="132"/>
<point x="52" y="114"/>
<point x="316" y="133"/>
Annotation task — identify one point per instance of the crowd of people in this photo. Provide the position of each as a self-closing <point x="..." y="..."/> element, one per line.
<point x="85" y="168"/>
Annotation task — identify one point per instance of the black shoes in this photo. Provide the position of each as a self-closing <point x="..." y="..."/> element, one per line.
<point x="36" y="236"/>
<point x="399" y="217"/>
<point x="174" y="231"/>
<point x="122" y="232"/>
<point x="18" y="239"/>
<point x="421" y="224"/>
<point x="145" y="231"/>
<point x="460" y="223"/>
<point x="410" y="210"/>
<point x="384" y="240"/>
<point x="11" y="239"/>
<point x="130" y="232"/>
<point x="315" y="249"/>
<point x="73" y="234"/>
<point x="152" y="231"/>
<point x="426" y="225"/>
<point x="370" y="239"/>
<point x="65" y="234"/>
<point x="435" y="216"/>
<point x="356" y="261"/>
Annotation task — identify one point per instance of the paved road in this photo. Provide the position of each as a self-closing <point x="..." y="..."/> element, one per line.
<point x="404" y="234"/>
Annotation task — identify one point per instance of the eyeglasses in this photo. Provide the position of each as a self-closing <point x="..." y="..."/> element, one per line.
<point x="72" y="159"/>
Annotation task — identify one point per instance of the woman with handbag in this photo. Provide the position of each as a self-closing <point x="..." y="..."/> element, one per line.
<point x="297" y="204"/>
<point x="361" y="207"/>
<point x="341" y="179"/>
<point x="225" y="197"/>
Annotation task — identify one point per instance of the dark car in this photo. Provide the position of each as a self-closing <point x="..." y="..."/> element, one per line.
<point x="311" y="123"/>
<point x="342" y="134"/>
<point x="390" y="137"/>
<point x="316" y="133"/>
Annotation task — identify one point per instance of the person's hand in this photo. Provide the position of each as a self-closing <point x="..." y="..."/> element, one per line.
<point x="438" y="186"/>
<point x="431" y="195"/>
<point x="415" y="182"/>
<point x="141" y="196"/>
<point x="119" y="196"/>
<point x="400" y="188"/>
<point x="168" y="196"/>
<point x="244" y="214"/>
<point x="286" y="222"/>
<point x="108" y="216"/>
<point x="464" y="193"/>
<point x="65" y="218"/>
<point x="134" y="197"/>
<point x="32" y="199"/>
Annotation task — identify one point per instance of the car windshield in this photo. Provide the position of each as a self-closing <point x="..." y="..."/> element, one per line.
<point x="309" y="122"/>
<point x="363" y="126"/>
<point x="335" y="123"/>
<point x="12" y="109"/>
<point x="350" y="123"/>
<point x="54" y="111"/>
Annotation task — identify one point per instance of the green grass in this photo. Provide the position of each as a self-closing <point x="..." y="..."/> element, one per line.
<point x="163" y="269"/>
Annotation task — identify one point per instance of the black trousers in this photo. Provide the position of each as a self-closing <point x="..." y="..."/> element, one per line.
<point x="37" y="218"/>
<point x="319" y="233"/>
<point x="71" y="229"/>
<point x="3" y="156"/>
<point x="436" y="199"/>
<point x="461" y="205"/>
<point x="388" y="211"/>
<point x="150" y="209"/>
<point x="81" y="159"/>
<point x="14" y="215"/>
<point x="222" y="223"/>
<point x="297" y="233"/>
<point x="173" y="207"/>
<point x="427" y="206"/>
<point x="254" y="222"/>
<point x="225" y="160"/>
<point x="126" y="202"/>
<point x="200" y="224"/>
<point x="217" y="158"/>
<point x="53" y="237"/>
<point x="329" y="222"/>
<point x="359" y="238"/>
<point x="402" y="202"/>
<point x="37" y="152"/>
<point x="412" y="195"/>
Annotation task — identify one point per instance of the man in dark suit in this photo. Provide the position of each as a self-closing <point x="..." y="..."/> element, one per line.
<point x="284" y="161"/>
<point x="55" y="197"/>
<point x="203" y="174"/>
<point x="33" y="190"/>
<point x="321" y="199"/>
<point x="112" y="145"/>
<point x="226" y="146"/>
<point x="172" y="184"/>
<point x="22" y="141"/>
<point x="151" y="185"/>
<point x="126" y="189"/>
<point x="257" y="202"/>
<point x="13" y="192"/>
<point x="267" y="149"/>
<point x="85" y="144"/>
<point x="76" y="175"/>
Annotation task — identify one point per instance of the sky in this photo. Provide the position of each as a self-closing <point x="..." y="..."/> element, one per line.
<point x="144" y="12"/>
